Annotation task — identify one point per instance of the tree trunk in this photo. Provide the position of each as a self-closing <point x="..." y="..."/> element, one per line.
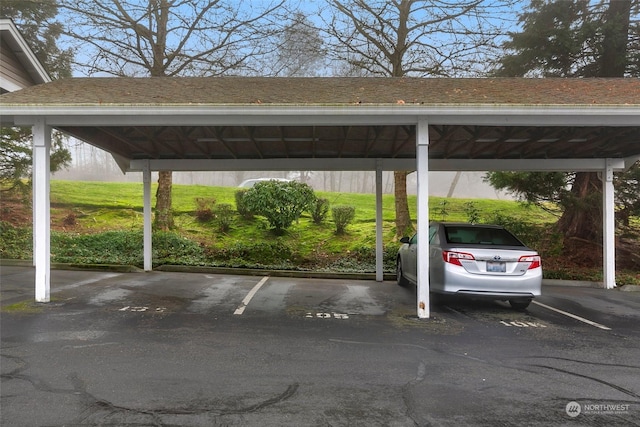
<point x="616" y="38"/>
<point x="403" y="219"/>
<point x="164" y="217"/>
<point x="583" y="213"/>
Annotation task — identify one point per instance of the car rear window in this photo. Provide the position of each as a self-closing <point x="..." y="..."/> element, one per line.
<point x="480" y="235"/>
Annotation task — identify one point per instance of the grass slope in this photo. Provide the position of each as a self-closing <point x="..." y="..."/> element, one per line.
<point x="112" y="214"/>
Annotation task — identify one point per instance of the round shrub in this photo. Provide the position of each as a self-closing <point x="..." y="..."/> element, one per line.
<point x="241" y="205"/>
<point x="342" y="216"/>
<point x="281" y="203"/>
<point x="319" y="210"/>
<point x="223" y="216"/>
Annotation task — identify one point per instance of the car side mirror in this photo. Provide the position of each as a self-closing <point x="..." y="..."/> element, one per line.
<point x="405" y="240"/>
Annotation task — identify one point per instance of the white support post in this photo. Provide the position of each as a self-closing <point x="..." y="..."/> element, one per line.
<point x="41" y="210"/>
<point x="379" y="245"/>
<point x="34" y="202"/>
<point x="608" y="227"/>
<point x="147" y="233"/>
<point x="422" y="161"/>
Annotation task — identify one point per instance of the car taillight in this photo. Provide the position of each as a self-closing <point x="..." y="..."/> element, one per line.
<point x="455" y="257"/>
<point x="533" y="259"/>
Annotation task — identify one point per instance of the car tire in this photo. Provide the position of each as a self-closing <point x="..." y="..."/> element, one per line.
<point x="519" y="304"/>
<point x="401" y="280"/>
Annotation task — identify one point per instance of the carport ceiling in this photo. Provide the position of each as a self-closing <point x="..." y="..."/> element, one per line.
<point x="243" y="118"/>
<point x="447" y="142"/>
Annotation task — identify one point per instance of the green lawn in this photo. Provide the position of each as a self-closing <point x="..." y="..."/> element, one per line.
<point x="91" y="217"/>
<point x="100" y="203"/>
<point x="98" y="206"/>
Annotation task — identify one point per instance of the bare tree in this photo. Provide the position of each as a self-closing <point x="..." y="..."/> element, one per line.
<point x="163" y="38"/>
<point x="401" y="38"/>
<point x="300" y="50"/>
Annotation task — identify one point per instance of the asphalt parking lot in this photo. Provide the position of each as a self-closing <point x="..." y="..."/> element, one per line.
<point x="198" y="349"/>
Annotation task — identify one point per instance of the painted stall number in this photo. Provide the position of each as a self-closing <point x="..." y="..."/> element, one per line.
<point x="141" y="309"/>
<point x="523" y="324"/>
<point x="327" y="315"/>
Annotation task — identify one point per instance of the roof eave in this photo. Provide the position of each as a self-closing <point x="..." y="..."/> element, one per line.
<point x="312" y="114"/>
<point x="23" y="52"/>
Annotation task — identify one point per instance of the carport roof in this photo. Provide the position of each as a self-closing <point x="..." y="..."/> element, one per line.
<point x="329" y="91"/>
<point x="242" y="118"/>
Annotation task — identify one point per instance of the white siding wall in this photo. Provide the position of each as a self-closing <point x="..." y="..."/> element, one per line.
<point x="12" y="74"/>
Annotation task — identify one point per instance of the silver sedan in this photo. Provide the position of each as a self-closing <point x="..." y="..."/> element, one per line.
<point x="475" y="260"/>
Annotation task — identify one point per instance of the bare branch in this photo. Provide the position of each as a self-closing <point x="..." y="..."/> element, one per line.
<point x="411" y="37"/>
<point x="168" y="37"/>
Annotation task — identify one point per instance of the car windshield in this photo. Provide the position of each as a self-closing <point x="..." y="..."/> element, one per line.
<point x="480" y="235"/>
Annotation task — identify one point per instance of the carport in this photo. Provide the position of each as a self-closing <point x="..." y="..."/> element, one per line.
<point x="373" y="124"/>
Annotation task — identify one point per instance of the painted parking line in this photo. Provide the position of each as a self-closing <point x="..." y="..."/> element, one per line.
<point x="573" y="316"/>
<point x="90" y="281"/>
<point x="250" y="295"/>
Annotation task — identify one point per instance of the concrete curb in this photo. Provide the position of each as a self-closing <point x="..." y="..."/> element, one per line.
<point x="203" y="269"/>
<point x="68" y="266"/>
<point x="275" y="273"/>
<point x="577" y="283"/>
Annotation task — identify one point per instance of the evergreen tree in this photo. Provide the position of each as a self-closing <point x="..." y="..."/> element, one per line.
<point x="574" y="39"/>
<point x="37" y="23"/>
<point x="38" y="26"/>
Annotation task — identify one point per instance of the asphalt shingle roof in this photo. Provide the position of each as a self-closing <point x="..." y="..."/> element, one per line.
<point x="327" y="91"/>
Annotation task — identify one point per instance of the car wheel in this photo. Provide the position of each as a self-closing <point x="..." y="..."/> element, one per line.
<point x="520" y="304"/>
<point x="401" y="280"/>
